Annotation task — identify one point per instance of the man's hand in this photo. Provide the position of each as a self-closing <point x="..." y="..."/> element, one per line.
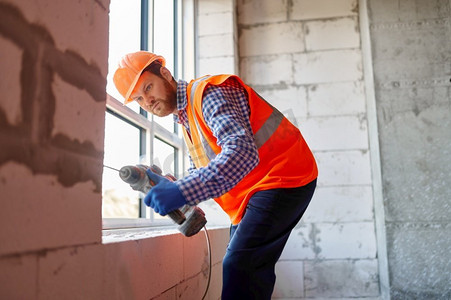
<point x="165" y="196"/>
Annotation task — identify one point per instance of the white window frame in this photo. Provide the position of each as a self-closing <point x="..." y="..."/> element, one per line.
<point x="184" y="66"/>
<point x="152" y="130"/>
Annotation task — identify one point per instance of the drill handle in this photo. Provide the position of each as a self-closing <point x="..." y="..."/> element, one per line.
<point x="177" y="216"/>
<point x="139" y="181"/>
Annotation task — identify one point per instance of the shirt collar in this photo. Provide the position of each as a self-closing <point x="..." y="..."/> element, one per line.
<point x="182" y="100"/>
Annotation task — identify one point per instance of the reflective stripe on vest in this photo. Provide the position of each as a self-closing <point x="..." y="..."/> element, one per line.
<point x="269" y="127"/>
<point x="208" y="151"/>
<point x="261" y="136"/>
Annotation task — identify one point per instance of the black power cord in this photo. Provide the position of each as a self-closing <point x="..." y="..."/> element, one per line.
<point x="209" y="263"/>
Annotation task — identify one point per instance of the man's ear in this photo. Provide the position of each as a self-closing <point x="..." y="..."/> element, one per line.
<point x="166" y="74"/>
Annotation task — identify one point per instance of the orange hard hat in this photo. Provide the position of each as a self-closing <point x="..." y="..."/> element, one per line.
<point x="130" y="69"/>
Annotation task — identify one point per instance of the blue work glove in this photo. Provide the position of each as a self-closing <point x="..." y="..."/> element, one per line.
<point x="165" y="196"/>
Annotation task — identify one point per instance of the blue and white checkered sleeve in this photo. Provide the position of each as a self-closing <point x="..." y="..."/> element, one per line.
<point x="226" y="112"/>
<point x="191" y="167"/>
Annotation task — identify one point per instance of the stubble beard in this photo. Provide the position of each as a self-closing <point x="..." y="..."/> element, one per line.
<point x="170" y="103"/>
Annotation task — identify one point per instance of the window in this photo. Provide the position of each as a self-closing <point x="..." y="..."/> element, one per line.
<point x="131" y="135"/>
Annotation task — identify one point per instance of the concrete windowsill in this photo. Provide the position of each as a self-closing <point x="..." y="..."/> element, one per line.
<point x="127" y="234"/>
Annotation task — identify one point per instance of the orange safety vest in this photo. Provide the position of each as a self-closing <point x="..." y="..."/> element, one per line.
<point x="285" y="159"/>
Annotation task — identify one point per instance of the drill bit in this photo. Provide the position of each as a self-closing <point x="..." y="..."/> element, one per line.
<point x="111" y="168"/>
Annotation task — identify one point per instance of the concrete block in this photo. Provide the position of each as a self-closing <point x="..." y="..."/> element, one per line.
<point x="419" y="43"/>
<point x="276" y="38"/>
<point x="289" y="280"/>
<point x="331" y="241"/>
<point x="411" y="51"/>
<point x="78" y="18"/>
<point x="343" y="168"/>
<point x="343" y="98"/>
<point x="412" y="72"/>
<point x="258" y="11"/>
<point x="332" y="34"/>
<point x="216" y="6"/>
<point x="415" y="142"/>
<point x="196" y="257"/>
<point x="11" y="64"/>
<point x="192" y="288"/>
<point x="336" y="133"/>
<point x="219" y="239"/>
<point x="345" y="240"/>
<point x="347" y="298"/>
<point x="300" y="245"/>
<point x="409" y="103"/>
<point x="418" y="257"/>
<point x="75" y="106"/>
<point x="322" y="9"/>
<point x="215" y="23"/>
<point x="170" y="294"/>
<point x="214" y="292"/>
<point x="289" y="100"/>
<point x="327" y="66"/>
<point x="143" y="268"/>
<point x="271" y="69"/>
<point x="50" y="214"/>
<point x="18" y="277"/>
<point x="389" y="11"/>
<point x="195" y="287"/>
<point x="217" y="65"/>
<point x="341" y="278"/>
<point x="75" y="272"/>
<point x="216" y="45"/>
<point x="405" y="41"/>
<point x="340" y="204"/>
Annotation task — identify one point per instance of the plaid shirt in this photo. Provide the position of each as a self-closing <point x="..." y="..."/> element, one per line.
<point x="226" y="112"/>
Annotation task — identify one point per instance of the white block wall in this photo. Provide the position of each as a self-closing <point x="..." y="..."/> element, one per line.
<point x="216" y="38"/>
<point x="305" y="57"/>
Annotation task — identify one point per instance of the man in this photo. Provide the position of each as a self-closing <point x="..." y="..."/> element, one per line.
<point x="245" y="154"/>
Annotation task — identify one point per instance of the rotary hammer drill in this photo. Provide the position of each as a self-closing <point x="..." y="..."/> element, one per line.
<point x="190" y="219"/>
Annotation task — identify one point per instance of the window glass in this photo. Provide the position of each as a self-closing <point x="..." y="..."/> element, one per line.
<point x="167" y="122"/>
<point x="124" y="37"/>
<point x="163" y="44"/>
<point x="163" y="34"/>
<point x="121" y="149"/>
<point x="164" y="157"/>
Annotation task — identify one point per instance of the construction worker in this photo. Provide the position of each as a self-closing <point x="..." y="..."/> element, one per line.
<point x="244" y="154"/>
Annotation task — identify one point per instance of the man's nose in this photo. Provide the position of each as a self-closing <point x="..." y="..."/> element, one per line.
<point x="149" y="99"/>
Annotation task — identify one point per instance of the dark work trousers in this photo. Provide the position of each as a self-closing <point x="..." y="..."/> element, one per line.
<point x="256" y="243"/>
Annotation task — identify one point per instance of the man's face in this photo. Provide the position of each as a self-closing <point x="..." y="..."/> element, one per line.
<point x="156" y="94"/>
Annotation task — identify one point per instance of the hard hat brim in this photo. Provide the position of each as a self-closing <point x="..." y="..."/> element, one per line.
<point x="138" y="75"/>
